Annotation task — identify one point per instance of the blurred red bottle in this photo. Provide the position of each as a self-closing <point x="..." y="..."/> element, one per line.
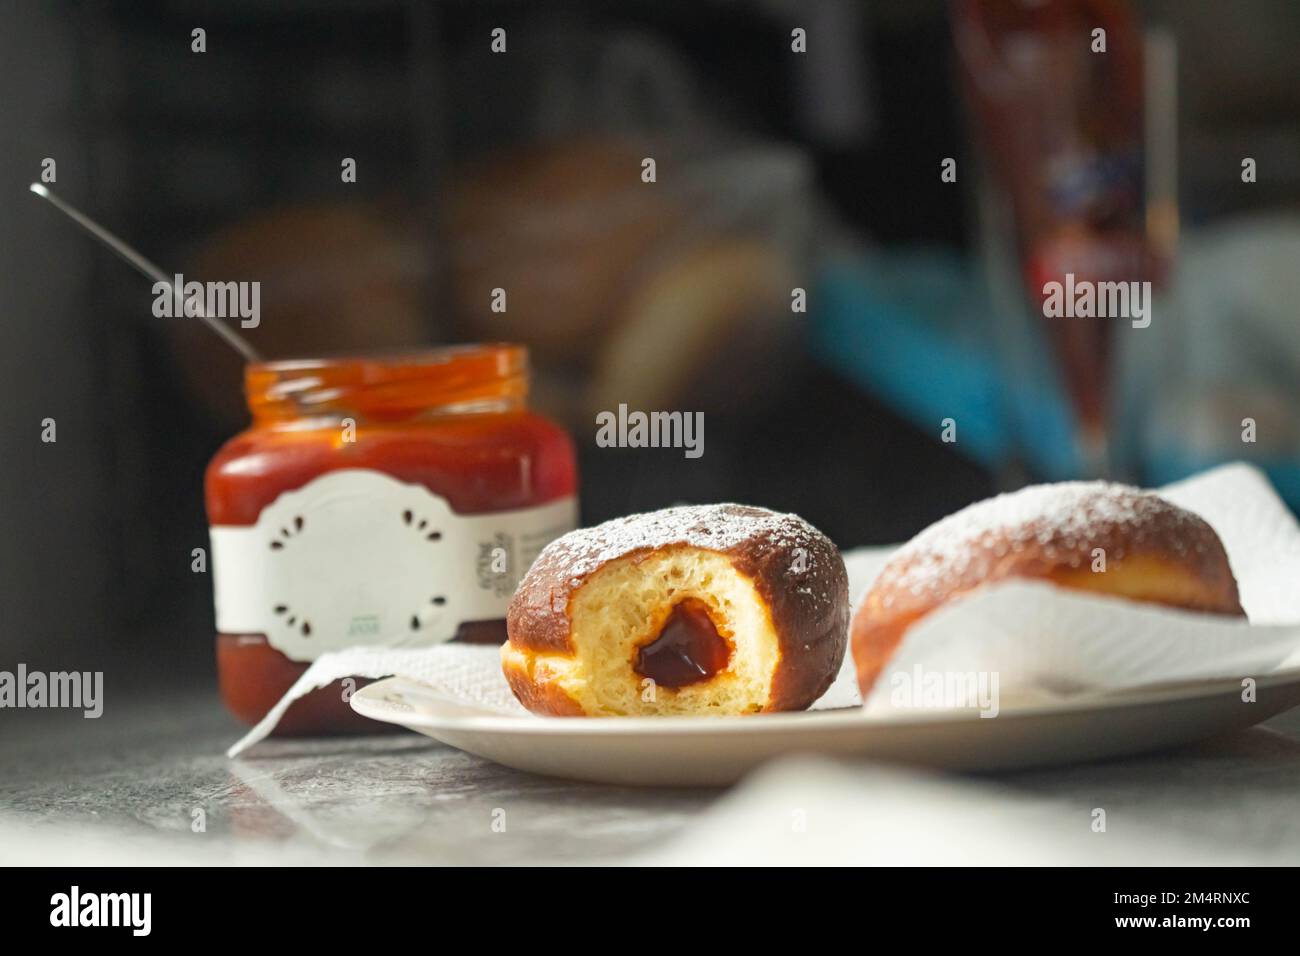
<point x="1060" y="123"/>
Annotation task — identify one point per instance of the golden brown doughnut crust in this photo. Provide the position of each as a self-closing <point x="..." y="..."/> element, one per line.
<point x="809" y="607"/>
<point x="1154" y="551"/>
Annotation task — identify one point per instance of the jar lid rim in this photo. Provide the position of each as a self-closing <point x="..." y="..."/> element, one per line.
<point x="433" y="355"/>
<point x="455" y="377"/>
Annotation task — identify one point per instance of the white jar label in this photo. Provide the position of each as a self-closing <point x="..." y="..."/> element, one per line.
<point x="358" y="557"/>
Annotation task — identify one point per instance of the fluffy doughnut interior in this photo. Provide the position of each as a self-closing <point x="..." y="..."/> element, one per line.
<point x="623" y="607"/>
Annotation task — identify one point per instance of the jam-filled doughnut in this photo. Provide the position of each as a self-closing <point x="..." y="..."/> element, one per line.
<point x="711" y="609"/>
<point x="1089" y="536"/>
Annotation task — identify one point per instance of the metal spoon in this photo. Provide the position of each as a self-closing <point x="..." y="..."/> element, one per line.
<point x="231" y="337"/>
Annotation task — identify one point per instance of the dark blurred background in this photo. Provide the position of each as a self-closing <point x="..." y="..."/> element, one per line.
<point x="775" y="170"/>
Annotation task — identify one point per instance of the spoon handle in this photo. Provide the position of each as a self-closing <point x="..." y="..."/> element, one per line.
<point x="231" y="337"/>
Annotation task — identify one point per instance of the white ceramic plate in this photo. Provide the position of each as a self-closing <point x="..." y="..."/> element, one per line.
<point x="709" y="751"/>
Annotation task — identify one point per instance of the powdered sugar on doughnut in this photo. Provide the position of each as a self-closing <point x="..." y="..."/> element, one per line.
<point x="720" y="527"/>
<point x="1061" y="522"/>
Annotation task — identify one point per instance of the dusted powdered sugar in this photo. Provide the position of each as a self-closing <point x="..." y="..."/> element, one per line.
<point x="1062" y="522"/>
<point x="719" y="527"/>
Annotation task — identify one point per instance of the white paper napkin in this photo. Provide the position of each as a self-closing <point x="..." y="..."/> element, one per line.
<point x="1041" y="641"/>
<point x="464" y="672"/>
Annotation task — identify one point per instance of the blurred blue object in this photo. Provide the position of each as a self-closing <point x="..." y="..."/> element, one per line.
<point x="916" y="329"/>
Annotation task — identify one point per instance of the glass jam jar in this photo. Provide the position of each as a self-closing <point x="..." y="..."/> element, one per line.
<point x="393" y="500"/>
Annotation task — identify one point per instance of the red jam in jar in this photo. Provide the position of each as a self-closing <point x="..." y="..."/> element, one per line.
<point x="376" y="501"/>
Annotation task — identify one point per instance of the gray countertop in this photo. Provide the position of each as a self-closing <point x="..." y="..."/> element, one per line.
<point x="151" y="784"/>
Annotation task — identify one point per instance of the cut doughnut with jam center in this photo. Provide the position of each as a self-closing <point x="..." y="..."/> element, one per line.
<point x="688" y="650"/>
<point x="617" y="624"/>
